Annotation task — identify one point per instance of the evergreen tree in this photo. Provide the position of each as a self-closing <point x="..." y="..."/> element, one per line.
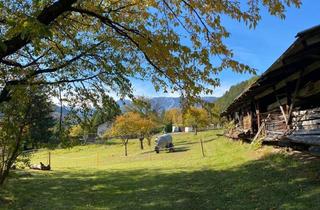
<point x="40" y="119"/>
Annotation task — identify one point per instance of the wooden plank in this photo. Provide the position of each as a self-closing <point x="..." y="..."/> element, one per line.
<point x="306" y="132"/>
<point x="275" y="132"/>
<point x="284" y="115"/>
<point x="258" y="133"/>
<point x="257" y="108"/>
<point x="260" y="130"/>
<point x="305" y="139"/>
<point x="294" y="96"/>
<point x="311" y="122"/>
<point x="282" y="111"/>
<point x="306" y="118"/>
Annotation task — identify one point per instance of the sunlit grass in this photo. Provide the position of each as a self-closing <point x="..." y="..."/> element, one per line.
<point x="231" y="176"/>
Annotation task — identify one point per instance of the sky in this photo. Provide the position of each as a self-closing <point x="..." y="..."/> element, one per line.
<point x="258" y="47"/>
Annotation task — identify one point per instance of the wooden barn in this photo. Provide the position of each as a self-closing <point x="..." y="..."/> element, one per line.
<point x="284" y="103"/>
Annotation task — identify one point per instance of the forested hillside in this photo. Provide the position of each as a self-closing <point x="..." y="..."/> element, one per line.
<point x="223" y="102"/>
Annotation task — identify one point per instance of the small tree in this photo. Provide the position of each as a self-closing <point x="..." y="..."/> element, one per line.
<point x="126" y="127"/>
<point x="196" y="117"/>
<point x="148" y="117"/>
<point x="173" y="116"/>
<point x="131" y="125"/>
<point x="145" y="127"/>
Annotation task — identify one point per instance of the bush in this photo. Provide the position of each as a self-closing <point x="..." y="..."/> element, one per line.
<point x="23" y="160"/>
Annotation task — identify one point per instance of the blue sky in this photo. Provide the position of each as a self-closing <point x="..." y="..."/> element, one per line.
<point x="258" y="47"/>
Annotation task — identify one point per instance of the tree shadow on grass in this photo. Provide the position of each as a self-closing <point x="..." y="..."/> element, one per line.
<point x="176" y="149"/>
<point x="185" y="142"/>
<point x="273" y="182"/>
<point x="181" y="149"/>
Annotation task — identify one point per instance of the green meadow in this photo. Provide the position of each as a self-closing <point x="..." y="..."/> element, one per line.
<point x="232" y="175"/>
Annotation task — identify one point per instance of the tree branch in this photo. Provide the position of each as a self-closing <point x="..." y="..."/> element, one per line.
<point x="123" y="33"/>
<point x="46" y="17"/>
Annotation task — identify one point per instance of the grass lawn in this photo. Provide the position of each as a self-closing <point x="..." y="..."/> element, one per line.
<point x="231" y="176"/>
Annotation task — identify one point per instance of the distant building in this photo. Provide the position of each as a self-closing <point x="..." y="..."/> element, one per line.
<point x="176" y="128"/>
<point x="188" y="129"/>
<point x="103" y="128"/>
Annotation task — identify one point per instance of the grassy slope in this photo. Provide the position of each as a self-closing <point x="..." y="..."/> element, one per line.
<point x="231" y="176"/>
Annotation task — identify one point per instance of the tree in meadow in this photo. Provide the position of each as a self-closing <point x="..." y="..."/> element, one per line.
<point x="196" y="118"/>
<point x="125" y="127"/>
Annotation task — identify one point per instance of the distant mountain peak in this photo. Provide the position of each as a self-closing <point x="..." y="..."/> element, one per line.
<point x="164" y="103"/>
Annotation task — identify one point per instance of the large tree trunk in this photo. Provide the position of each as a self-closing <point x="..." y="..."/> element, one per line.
<point x="195" y="130"/>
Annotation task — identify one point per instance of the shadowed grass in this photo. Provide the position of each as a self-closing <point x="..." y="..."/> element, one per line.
<point x="231" y="176"/>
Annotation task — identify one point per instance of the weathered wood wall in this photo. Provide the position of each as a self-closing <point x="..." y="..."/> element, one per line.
<point x="306" y="126"/>
<point x="275" y="125"/>
<point x="247" y="122"/>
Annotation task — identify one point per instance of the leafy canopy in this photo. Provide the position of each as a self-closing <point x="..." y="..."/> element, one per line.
<point x="131" y="125"/>
<point x="173" y="116"/>
<point x="93" y="47"/>
<point x="196" y="117"/>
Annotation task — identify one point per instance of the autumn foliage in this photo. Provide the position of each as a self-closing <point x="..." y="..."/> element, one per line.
<point x="131" y="125"/>
<point x="196" y="118"/>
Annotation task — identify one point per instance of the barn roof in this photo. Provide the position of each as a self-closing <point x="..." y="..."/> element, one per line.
<point x="305" y="48"/>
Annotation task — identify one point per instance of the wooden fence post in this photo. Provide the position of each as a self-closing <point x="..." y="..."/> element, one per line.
<point x="49" y="159"/>
<point x="202" y="150"/>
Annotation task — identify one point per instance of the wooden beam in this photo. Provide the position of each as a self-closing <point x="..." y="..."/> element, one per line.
<point x="306" y="132"/>
<point x="305" y="139"/>
<point x="281" y="109"/>
<point x="257" y="108"/>
<point x="294" y="97"/>
<point x="263" y="124"/>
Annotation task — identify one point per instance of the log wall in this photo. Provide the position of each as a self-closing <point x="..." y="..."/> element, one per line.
<point x="275" y="125"/>
<point x="306" y="126"/>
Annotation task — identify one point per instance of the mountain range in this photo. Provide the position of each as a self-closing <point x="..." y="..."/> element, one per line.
<point x="164" y="103"/>
<point x="158" y="103"/>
